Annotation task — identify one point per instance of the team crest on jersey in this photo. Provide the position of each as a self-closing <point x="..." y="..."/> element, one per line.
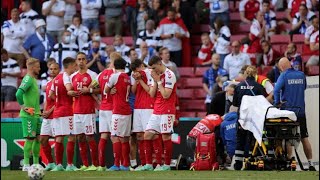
<point x="33" y="133"/>
<point x="256" y="5"/>
<point x="105" y="77"/>
<point x="169" y="75"/>
<point x="85" y="79"/>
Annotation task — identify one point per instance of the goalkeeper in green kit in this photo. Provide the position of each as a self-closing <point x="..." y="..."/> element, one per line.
<point x="28" y="98"/>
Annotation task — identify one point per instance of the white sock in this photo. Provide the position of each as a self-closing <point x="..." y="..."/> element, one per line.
<point x="133" y="162"/>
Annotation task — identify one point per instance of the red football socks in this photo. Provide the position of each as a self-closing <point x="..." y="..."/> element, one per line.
<point x="117" y="153"/>
<point x="94" y="152"/>
<point x="58" y="152"/>
<point x="125" y="151"/>
<point x="84" y="153"/>
<point x="157" y="147"/>
<point x="70" y="152"/>
<point x="47" y="151"/>
<point x="167" y="151"/>
<point x="148" y="151"/>
<point x="141" y="152"/>
<point x="102" y="150"/>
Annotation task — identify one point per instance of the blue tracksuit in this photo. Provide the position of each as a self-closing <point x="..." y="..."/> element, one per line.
<point x="228" y="132"/>
<point x="290" y="88"/>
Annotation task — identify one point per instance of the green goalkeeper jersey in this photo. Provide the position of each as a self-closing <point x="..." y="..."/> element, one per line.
<point x="31" y="96"/>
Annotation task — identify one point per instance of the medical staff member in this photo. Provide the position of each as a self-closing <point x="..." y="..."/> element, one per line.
<point x="288" y="92"/>
<point x="248" y="87"/>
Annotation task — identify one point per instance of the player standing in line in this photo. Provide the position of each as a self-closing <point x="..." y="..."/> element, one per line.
<point x="84" y="112"/>
<point x="47" y="114"/>
<point x="62" y="123"/>
<point x="28" y="98"/>
<point x="105" y="112"/>
<point x="121" y="116"/>
<point x="163" y="115"/>
<point x="144" y="103"/>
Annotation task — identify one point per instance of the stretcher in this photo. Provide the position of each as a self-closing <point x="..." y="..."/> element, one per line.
<point x="271" y="154"/>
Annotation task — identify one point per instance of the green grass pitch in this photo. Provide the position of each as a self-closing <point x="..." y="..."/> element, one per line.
<point x="169" y="175"/>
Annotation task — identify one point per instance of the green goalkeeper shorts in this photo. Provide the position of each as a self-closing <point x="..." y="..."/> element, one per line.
<point x="31" y="127"/>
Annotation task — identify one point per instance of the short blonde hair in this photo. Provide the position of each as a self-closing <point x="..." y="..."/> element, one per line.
<point x="251" y="71"/>
<point x="32" y="61"/>
<point x="114" y="56"/>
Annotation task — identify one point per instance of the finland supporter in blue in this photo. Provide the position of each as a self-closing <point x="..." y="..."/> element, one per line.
<point x="209" y="78"/>
<point x="288" y="92"/>
<point x="228" y="132"/>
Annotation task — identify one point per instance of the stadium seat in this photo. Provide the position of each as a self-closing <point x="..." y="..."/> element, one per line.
<point x="196" y="40"/>
<point x="24" y="71"/>
<point x="312" y="71"/>
<point x="195" y="49"/>
<point x="281" y="15"/>
<point x="305" y="58"/>
<point x="200" y="28"/>
<point x="204" y="28"/>
<point x="185" y="93"/>
<point x="298" y="38"/>
<point x="193" y="83"/>
<point x="11" y="106"/>
<point x="15" y="114"/>
<point x="237" y="37"/>
<point x="187" y="114"/>
<point x="186" y="71"/>
<point x="6" y="115"/>
<point x="235" y="17"/>
<point x="128" y="40"/>
<point x="107" y="40"/>
<point x="78" y="7"/>
<point x="280" y="39"/>
<point x="199" y="93"/>
<point x="199" y="71"/>
<point x="201" y="114"/>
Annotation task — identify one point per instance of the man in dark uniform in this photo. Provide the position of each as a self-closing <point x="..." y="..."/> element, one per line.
<point x="251" y="88"/>
<point x="289" y="91"/>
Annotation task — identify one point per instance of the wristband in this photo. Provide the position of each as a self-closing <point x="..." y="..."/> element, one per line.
<point x="159" y="82"/>
<point x="91" y="90"/>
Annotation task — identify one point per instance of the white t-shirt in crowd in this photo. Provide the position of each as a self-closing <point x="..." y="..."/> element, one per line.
<point x="55" y="23"/>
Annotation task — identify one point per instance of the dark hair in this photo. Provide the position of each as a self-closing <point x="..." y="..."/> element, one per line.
<point x="162" y="49"/>
<point x="50" y="60"/>
<point x="81" y="53"/>
<point x="265" y="2"/>
<point x="243" y="69"/>
<point x="135" y="64"/>
<point x="233" y="86"/>
<point x="304" y="5"/>
<point x="67" y="61"/>
<point x="27" y="1"/>
<point x="4" y="51"/>
<point x="219" y="23"/>
<point x="172" y="9"/>
<point x="120" y="63"/>
<point x="77" y="16"/>
<point x="129" y="52"/>
<point x="154" y="60"/>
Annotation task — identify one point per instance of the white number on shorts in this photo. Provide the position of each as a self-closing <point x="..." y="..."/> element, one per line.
<point x="88" y="129"/>
<point x="79" y="85"/>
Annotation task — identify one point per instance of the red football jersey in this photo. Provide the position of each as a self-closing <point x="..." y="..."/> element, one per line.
<point x="85" y="103"/>
<point x="121" y="82"/>
<point x="143" y="99"/>
<point x="251" y="8"/>
<point x="166" y="106"/>
<point x="205" y="125"/>
<point x="295" y="4"/>
<point x="49" y="101"/>
<point x="63" y="102"/>
<point x="106" y="100"/>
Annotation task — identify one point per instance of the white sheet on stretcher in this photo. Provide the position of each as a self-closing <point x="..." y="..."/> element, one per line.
<point x="252" y="114"/>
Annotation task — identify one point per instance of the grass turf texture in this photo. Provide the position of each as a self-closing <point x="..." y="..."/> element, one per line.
<point x="169" y="175"/>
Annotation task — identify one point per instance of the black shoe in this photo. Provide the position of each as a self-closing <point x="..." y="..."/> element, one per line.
<point x="237" y="165"/>
<point x="312" y="168"/>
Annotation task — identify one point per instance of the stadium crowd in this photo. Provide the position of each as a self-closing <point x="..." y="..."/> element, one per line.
<point x="67" y="35"/>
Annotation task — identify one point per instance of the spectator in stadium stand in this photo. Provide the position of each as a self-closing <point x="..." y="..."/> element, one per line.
<point x="185" y="11"/>
<point x="54" y="11"/>
<point x="120" y="46"/>
<point x="110" y="49"/>
<point x="205" y="52"/>
<point x="258" y="32"/>
<point x="219" y="9"/>
<point x="310" y="30"/>
<point x="269" y="17"/>
<point x="39" y="45"/>
<point x="159" y="7"/>
<point x="235" y="60"/>
<point x="302" y="20"/>
<point x="314" y="46"/>
<point x="90" y="13"/>
<point x="130" y="57"/>
<point x="140" y="15"/>
<point x="145" y="53"/>
<point x="130" y="6"/>
<point x="209" y="78"/>
<point x="293" y="7"/>
<point x="149" y="36"/>
<point x="10" y="71"/>
<point x="203" y="11"/>
<point x="165" y="59"/>
<point x="79" y="32"/>
<point x="218" y="86"/>
<point x="220" y="37"/>
<point x="95" y="37"/>
<point x="294" y="57"/>
<point x="248" y="9"/>
<point x="269" y="54"/>
<point x="28" y="17"/>
<point x="113" y="15"/>
<point x="274" y="73"/>
<point x="65" y="48"/>
<point x="69" y="12"/>
<point x="96" y="57"/>
<point x="171" y="30"/>
<point x="13" y="36"/>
